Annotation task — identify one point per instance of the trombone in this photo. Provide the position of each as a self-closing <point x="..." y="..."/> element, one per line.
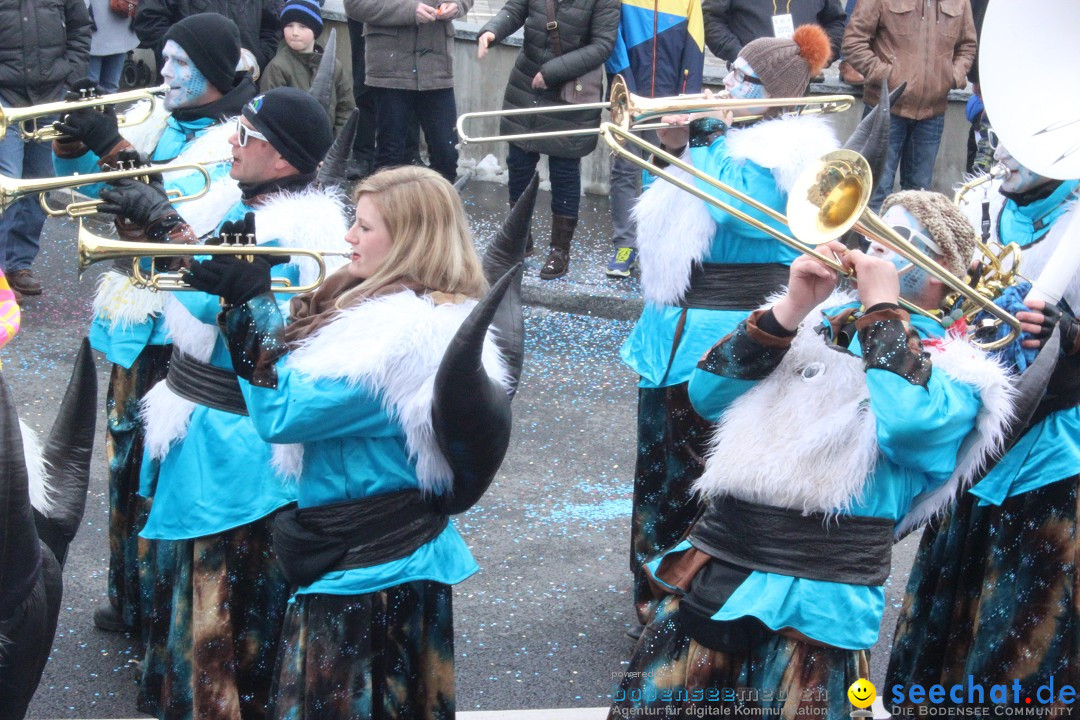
<point x="11" y="189"/>
<point x="94" y="248"/>
<point x="27" y="118"/>
<point x="826" y="202"/>
<point x="631" y="112"/>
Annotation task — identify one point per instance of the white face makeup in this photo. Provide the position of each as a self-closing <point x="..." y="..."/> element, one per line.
<point x="187" y="84"/>
<point x="742" y="82"/>
<point x="912" y="279"/>
<point x="1020" y="179"/>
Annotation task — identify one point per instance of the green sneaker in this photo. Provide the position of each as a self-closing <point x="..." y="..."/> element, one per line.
<point x="622" y="262"/>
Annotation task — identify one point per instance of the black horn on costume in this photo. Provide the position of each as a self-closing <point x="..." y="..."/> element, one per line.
<point x="871" y="137"/>
<point x="322" y="86"/>
<point x="470" y="412"/>
<point x="504" y="252"/>
<point x="67" y="455"/>
<point x="334" y="167"/>
<point x="30" y="584"/>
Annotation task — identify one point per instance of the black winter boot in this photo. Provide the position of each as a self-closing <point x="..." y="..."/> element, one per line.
<point x="558" y="259"/>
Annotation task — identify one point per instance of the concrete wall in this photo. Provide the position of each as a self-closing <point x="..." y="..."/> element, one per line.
<point x="480" y="86"/>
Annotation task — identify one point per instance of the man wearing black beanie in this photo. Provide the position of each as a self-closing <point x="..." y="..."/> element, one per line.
<point x="292" y="123"/>
<point x="212" y="42"/>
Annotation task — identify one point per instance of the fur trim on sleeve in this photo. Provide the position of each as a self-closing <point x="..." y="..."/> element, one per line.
<point x="145" y="136"/>
<point x="312" y="219"/>
<point x="391" y="347"/>
<point x="123" y="304"/>
<point x="786" y="145"/>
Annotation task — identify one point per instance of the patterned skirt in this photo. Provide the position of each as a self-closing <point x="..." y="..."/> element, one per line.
<point x="672" y="440"/>
<point x="228" y="605"/>
<point x="387" y="655"/>
<point x="995" y="593"/>
<point x="671" y="675"/>
<point x="123" y="453"/>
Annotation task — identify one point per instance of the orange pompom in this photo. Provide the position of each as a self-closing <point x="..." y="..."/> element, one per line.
<point x="813" y="46"/>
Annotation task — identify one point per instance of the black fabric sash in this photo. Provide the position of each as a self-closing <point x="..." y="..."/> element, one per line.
<point x="371" y="531"/>
<point x="850" y="549"/>
<point x="205" y="384"/>
<point x="734" y="286"/>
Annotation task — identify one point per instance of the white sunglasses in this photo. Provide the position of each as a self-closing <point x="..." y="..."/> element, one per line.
<point x="243" y="133"/>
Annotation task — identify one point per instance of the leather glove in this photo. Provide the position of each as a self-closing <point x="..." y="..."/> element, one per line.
<point x="82" y="89"/>
<point x="96" y="129"/>
<point x="140" y="202"/>
<point x="235" y="279"/>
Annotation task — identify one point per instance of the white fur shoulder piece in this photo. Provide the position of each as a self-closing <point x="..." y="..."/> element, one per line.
<point x="144" y="136"/>
<point x="123" y="304"/>
<point x="311" y="219"/>
<point x="786" y="145"/>
<point x="818" y="402"/>
<point x="963" y="362"/>
<point x="392" y="346"/>
<point x="42" y="493"/>
<point x="211" y="148"/>
<point x="674" y="230"/>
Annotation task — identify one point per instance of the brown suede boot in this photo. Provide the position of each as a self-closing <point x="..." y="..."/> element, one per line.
<point x="558" y="259"/>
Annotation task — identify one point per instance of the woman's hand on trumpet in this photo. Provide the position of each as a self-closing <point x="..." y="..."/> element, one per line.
<point x="809" y="283"/>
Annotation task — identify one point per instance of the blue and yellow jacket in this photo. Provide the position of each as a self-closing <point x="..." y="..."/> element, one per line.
<point x="660" y="47"/>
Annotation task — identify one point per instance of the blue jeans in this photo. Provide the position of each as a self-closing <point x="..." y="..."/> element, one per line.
<point x="21" y="222"/>
<point x="105" y="70"/>
<point x="913" y="147"/>
<point x="565" y="174"/>
<point x="437" y="112"/>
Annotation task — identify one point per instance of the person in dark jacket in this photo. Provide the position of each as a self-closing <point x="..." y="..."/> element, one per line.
<point x="730" y="24"/>
<point x="44" y="49"/>
<point x="586" y="32"/>
<point x="257" y="20"/>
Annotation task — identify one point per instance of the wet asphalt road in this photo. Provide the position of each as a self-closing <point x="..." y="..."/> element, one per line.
<point x="541" y="625"/>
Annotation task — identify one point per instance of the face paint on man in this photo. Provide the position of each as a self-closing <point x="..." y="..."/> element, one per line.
<point x="742" y="82"/>
<point x="913" y="279"/>
<point x="1020" y="179"/>
<point x="187" y="84"/>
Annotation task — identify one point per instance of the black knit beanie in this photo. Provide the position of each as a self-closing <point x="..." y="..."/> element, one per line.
<point x="213" y="42"/>
<point x="305" y="12"/>
<point x="294" y="123"/>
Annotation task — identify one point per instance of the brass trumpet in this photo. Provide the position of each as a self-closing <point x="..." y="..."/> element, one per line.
<point x="11" y="189"/>
<point x="996" y="172"/>
<point x="826" y="202"/>
<point x="631" y="112"/>
<point x="26" y="118"/>
<point x="94" y="248"/>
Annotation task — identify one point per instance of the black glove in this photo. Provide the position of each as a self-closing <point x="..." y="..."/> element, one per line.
<point x="1058" y="317"/>
<point x="82" y="89"/>
<point x="140" y="202"/>
<point x="234" y="278"/>
<point x="97" y="129"/>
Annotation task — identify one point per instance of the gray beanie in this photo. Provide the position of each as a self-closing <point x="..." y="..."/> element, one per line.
<point x="785" y="65"/>
<point x="948" y="227"/>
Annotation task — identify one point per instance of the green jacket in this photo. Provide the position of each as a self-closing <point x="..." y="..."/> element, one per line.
<point x="293" y="69"/>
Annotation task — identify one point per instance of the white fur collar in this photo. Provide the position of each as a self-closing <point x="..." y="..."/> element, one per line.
<point x="145" y="136"/>
<point x="122" y="304"/>
<point x="829" y="448"/>
<point x="675" y="229"/>
<point x="391" y="346"/>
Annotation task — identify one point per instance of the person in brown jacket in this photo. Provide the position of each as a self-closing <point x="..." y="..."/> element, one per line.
<point x="928" y="44"/>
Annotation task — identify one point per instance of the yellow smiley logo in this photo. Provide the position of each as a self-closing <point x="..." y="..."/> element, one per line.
<point x="861" y="693"/>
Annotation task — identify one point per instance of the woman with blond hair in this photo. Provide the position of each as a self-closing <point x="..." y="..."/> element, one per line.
<point x="347" y="389"/>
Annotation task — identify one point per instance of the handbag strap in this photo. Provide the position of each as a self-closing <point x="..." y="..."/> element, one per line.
<point x="553" y="28"/>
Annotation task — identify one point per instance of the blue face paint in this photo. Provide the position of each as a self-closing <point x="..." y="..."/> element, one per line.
<point x="187" y="84"/>
<point x="913" y="279"/>
<point x="742" y="82"/>
<point x="1020" y="179"/>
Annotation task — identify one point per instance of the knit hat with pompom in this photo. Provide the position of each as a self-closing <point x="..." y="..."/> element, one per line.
<point x="785" y="65"/>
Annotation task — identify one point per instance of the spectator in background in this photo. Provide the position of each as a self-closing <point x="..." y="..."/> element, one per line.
<point x="730" y="24"/>
<point x="44" y="49"/>
<point x="257" y="20"/>
<point x="408" y="60"/>
<point x="298" y="59"/>
<point x="658" y="54"/>
<point x="847" y="73"/>
<point x="109" y="45"/>
<point x="930" y="46"/>
<point x="583" y="39"/>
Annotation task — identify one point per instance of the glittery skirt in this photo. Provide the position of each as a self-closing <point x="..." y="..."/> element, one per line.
<point x="672" y="440"/>
<point x="123" y="453"/>
<point x="671" y="675"/>
<point x="995" y="594"/>
<point x="386" y="655"/>
<point x="228" y="605"/>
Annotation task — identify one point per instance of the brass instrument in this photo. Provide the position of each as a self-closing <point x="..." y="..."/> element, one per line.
<point x="630" y="112"/>
<point x="11" y="189"/>
<point x="997" y="172"/>
<point x="826" y="202"/>
<point x="94" y="248"/>
<point x="26" y="118"/>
